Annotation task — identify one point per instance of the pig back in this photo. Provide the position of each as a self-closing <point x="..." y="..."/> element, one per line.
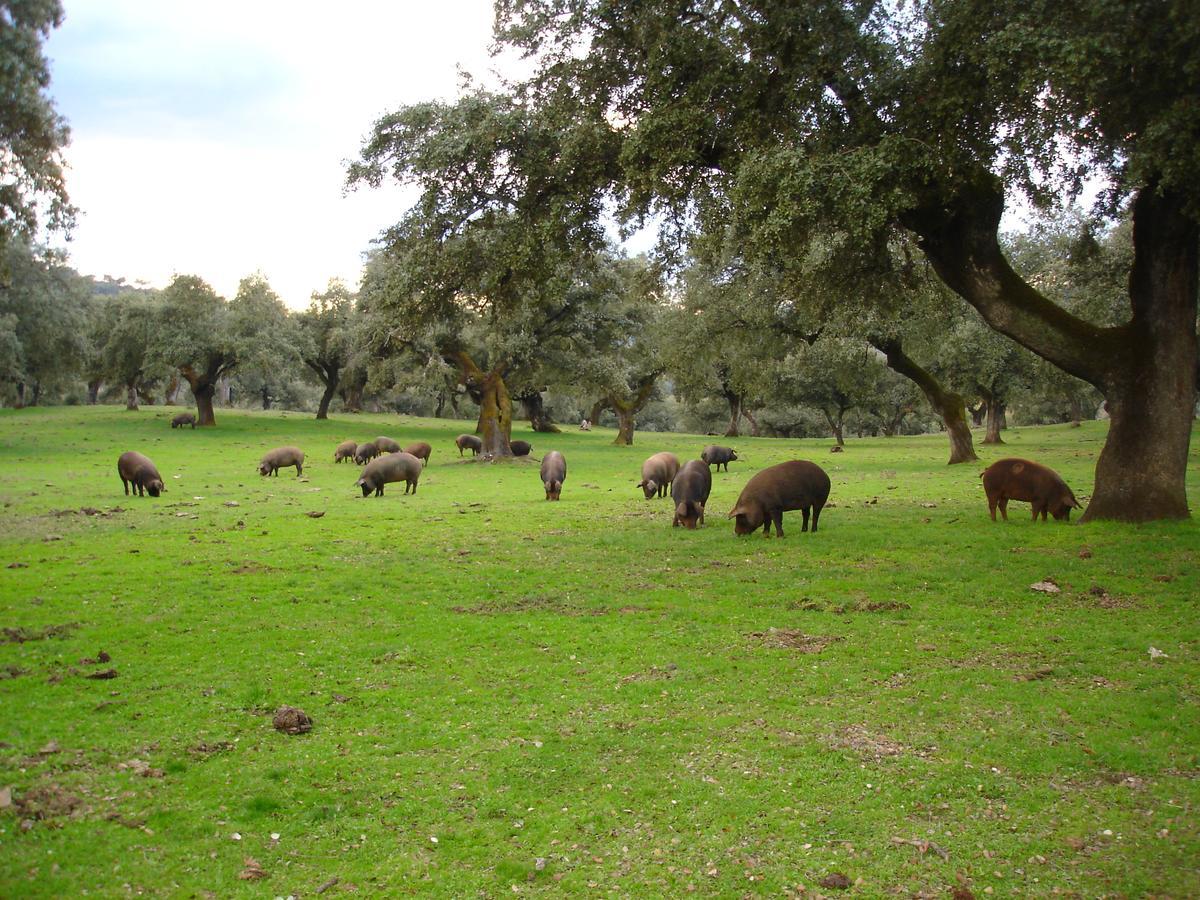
<point x="392" y="467"/>
<point x="795" y="484"/>
<point x="133" y="466"/>
<point x="284" y="456"/>
<point x="554" y="467"/>
<point x="693" y="482"/>
<point x="386" y="445"/>
<point x="661" y="467"/>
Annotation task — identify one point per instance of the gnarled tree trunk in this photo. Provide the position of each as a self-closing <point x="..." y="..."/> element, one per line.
<point x="131" y="396"/>
<point x="1146" y="368"/>
<point x="947" y="404"/>
<point x="628" y="408"/>
<point x="495" y="405"/>
<point x="203" y="385"/>
<point x="534" y="408"/>
<point x="735" y="412"/>
<point x="93" y="391"/>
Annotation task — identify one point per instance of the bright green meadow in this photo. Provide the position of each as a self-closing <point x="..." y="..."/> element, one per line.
<point x="573" y="698"/>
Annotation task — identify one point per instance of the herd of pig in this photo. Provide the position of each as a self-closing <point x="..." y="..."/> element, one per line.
<point x="793" y="485"/>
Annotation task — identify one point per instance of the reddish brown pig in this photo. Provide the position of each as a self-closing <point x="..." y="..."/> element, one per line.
<point x="420" y="450"/>
<point x="184" y="419"/>
<point x="345" y="450"/>
<point x="468" y="442"/>
<point x="718" y="456"/>
<point x="281" y="458"/>
<point x="388" y="468"/>
<point x="137" y="470"/>
<point x="364" y="453"/>
<point x="1021" y="479"/>
<point x="690" y="491"/>
<point x="797" y="484"/>
<point x="657" y="473"/>
<point x="553" y="473"/>
<point x="386" y="445"/>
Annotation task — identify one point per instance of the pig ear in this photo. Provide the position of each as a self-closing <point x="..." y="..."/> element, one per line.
<point x="736" y="511"/>
<point x="641" y="484"/>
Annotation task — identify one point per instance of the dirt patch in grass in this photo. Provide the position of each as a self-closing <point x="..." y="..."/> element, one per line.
<point x="251" y="568"/>
<point x="46" y="802"/>
<point x="865" y="743"/>
<point x="793" y="639"/>
<point x="531" y="604"/>
<point x="22" y="635"/>
<point x="858" y="605"/>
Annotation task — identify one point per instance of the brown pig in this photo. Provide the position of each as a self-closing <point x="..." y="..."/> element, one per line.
<point x="553" y="473"/>
<point x="137" y="470"/>
<point x="345" y="450"/>
<point x="468" y="442"/>
<point x="184" y="419"/>
<point x="690" y="491"/>
<point x="281" y="458"/>
<point x="388" y="468"/>
<point x="364" y="453"/>
<point x="657" y="473"/>
<point x="386" y="445"/>
<point x="797" y="484"/>
<point x="714" y="455"/>
<point x="520" y="448"/>
<point x="420" y="450"/>
<point x="1021" y="479"/>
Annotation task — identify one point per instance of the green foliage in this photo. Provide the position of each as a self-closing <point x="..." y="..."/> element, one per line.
<point x="32" y="135"/>
<point x="575" y="698"/>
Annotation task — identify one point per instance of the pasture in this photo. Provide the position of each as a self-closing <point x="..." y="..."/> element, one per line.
<point x="515" y="696"/>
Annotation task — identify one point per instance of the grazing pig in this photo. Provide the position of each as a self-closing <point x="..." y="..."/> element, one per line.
<point x="554" y="473"/>
<point x="690" y="491"/>
<point x="797" y="484"/>
<point x="420" y="450"/>
<point x="714" y="455"/>
<point x="657" y="473"/>
<point x="345" y="450"/>
<point x="281" y="458"/>
<point x="184" y="419"/>
<point x="468" y="442"/>
<point x="390" y="467"/>
<point x="386" y="445"/>
<point x="137" y="470"/>
<point x="1021" y="479"/>
<point x="364" y="453"/>
<point x="520" y="448"/>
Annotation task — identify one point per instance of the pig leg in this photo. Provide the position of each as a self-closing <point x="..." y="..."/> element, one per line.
<point x="125" y="484"/>
<point x="1003" y="504"/>
<point x="299" y="469"/>
<point x="777" y="517"/>
<point x="816" y="515"/>
<point x="804" y="527"/>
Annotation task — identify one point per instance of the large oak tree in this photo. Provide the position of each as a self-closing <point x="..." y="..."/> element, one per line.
<point x="836" y="125"/>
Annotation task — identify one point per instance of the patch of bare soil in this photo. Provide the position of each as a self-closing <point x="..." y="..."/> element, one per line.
<point x="794" y="640"/>
<point x="867" y="744"/>
<point x="22" y="635"/>
<point x="531" y="603"/>
<point x="204" y="749"/>
<point x="654" y="673"/>
<point x="859" y="605"/>
<point x="251" y="568"/>
<point x="45" y="802"/>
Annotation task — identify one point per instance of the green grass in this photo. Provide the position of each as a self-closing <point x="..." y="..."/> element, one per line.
<point x="515" y="695"/>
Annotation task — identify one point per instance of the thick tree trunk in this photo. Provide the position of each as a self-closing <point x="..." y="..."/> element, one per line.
<point x="1146" y="368"/>
<point x="754" y="430"/>
<point x="627" y="409"/>
<point x="441" y="405"/>
<point x="597" y="408"/>
<point x="735" y="413"/>
<point x="1151" y="398"/>
<point x="203" y="388"/>
<point x="131" y="396"/>
<point x="625" y="425"/>
<point x="266" y="397"/>
<point x="20" y="404"/>
<point x="494" y="425"/>
<point x="995" y="418"/>
<point x="947" y="404"/>
<point x="835" y="426"/>
<point x="1076" y="410"/>
<point x="327" y="398"/>
<point x="93" y="388"/>
<point x="535" y="410"/>
<point x="36" y="393"/>
<point x="352" y="398"/>
<point x="978" y="414"/>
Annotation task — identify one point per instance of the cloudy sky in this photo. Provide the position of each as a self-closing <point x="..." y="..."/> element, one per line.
<point x="211" y="138"/>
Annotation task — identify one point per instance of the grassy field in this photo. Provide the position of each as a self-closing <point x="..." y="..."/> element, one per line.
<point x="515" y="696"/>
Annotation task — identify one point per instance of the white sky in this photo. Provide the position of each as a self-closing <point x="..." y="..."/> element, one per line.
<point x="212" y="138"/>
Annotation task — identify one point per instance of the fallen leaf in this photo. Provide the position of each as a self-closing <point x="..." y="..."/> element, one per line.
<point x="253" y="870"/>
<point x="835" y="881"/>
